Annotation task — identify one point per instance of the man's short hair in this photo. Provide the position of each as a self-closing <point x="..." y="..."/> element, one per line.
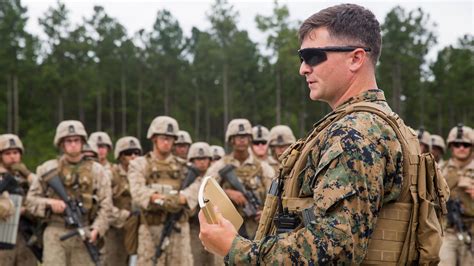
<point x="350" y="22"/>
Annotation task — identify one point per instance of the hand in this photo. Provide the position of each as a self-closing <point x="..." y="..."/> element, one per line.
<point x="94" y="234"/>
<point x="216" y="238"/>
<point x="257" y="216"/>
<point x="155" y="197"/>
<point x="21" y="168"/>
<point x="236" y="196"/>
<point x="58" y="206"/>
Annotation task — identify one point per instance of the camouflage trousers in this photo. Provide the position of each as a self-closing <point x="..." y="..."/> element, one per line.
<point x="453" y="250"/>
<point x="114" y="249"/>
<point x="200" y="255"/>
<point x="21" y="255"/>
<point x="178" y="251"/>
<point x="68" y="252"/>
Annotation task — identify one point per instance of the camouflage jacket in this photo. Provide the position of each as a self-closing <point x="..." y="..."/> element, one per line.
<point x="354" y="168"/>
<point x="459" y="179"/>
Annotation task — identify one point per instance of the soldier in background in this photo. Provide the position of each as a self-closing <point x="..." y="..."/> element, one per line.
<point x="260" y="140"/>
<point x="181" y="145"/>
<point x="281" y="137"/>
<point x="255" y="175"/>
<point x="438" y="149"/>
<point x="199" y="157"/>
<point x="459" y="174"/>
<point x="424" y="138"/>
<point x="217" y="153"/>
<point x="84" y="181"/>
<point x="155" y="181"/>
<point x="126" y="149"/>
<point x="11" y="151"/>
<point x="104" y="147"/>
<point x="90" y="151"/>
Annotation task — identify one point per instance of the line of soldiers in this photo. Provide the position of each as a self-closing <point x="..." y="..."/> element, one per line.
<point x="125" y="206"/>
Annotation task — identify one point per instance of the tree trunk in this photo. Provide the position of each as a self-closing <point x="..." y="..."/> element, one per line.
<point x="112" y="112"/>
<point x="16" y="107"/>
<point x="278" y="96"/>
<point x="139" y="108"/>
<point x="197" y="112"/>
<point x="225" y="88"/>
<point x="80" y="104"/>
<point x="9" y="105"/>
<point x="397" y="88"/>
<point x="208" y="123"/>
<point x="124" y="104"/>
<point x="61" y="105"/>
<point x="99" y="111"/>
<point x="303" y="114"/>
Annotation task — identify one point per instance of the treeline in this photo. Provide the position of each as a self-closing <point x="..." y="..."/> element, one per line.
<point x="118" y="81"/>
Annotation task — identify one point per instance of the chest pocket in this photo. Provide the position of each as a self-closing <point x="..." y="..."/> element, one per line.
<point x="315" y="164"/>
<point x="250" y="175"/>
<point x="164" y="173"/>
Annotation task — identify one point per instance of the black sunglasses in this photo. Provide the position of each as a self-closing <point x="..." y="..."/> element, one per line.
<point x="315" y="56"/>
<point x="259" y="142"/>
<point x="462" y="144"/>
<point x="131" y="152"/>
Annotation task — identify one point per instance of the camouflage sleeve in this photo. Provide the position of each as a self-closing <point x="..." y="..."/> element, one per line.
<point x="136" y="177"/>
<point x="36" y="201"/>
<point x="268" y="174"/>
<point x="118" y="217"/>
<point x="104" y="198"/>
<point x="348" y="184"/>
<point x="214" y="170"/>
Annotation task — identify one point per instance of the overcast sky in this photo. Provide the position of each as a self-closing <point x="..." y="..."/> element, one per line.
<point x="453" y="18"/>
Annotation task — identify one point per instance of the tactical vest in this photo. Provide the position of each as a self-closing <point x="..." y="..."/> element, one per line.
<point x="453" y="176"/>
<point x="162" y="173"/>
<point x="121" y="196"/>
<point x="407" y="231"/>
<point x="78" y="181"/>
<point x="250" y="175"/>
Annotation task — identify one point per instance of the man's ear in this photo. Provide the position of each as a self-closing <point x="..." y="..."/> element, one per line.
<point x="357" y="59"/>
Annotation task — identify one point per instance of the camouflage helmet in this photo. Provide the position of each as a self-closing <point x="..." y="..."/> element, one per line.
<point x="438" y="141"/>
<point x="101" y="138"/>
<point x="239" y="126"/>
<point x="183" y="138"/>
<point x="281" y="135"/>
<point x="90" y="146"/>
<point x="199" y="150"/>
<point x="217" y="151"/>
<point x="10" y="141"/>
<point x="126" y="143"/>
<point x="460" y="133"/>
<point x="163" y="125"/>
<point x="424" y="136"/>
<point x="260" y="133"/>
<point x="69" y="128"/>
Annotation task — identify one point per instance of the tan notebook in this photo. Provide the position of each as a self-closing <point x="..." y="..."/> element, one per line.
<point x="210" y="195"/>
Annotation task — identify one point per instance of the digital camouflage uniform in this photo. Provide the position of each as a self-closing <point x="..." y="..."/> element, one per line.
<point x="20" y="254"/>
<point x="354" y="168"/>
<point x="86" y="181"/>
<point x="145" y="172"/>
<point x="458" y="180"/>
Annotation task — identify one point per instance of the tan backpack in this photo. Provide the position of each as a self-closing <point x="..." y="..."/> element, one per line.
<point x="407" y="231"/>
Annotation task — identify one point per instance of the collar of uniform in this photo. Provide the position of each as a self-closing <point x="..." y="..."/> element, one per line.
<point x="154" y="157"/>
<point x="470" y="165"/>
<point x="373" y="95"/>
<point x="249" y="160"/>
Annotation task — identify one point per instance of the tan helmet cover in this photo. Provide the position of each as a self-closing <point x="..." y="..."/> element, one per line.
<point x="199" y="150"/>
<point x="101" y="138"/>
<point x="126" y="143"/>
<point x="260" y="133"/>
<point x="69" y="128"/>
<point x="424" y="136"/>
<point x="281" y="135"/>
<point x="460" y="133"/>
<point x="90" y="146"/>
<point x="10" y="141"/>
<point x="217" y="151"/>
<point x="438" y="141"/>
<point x="239" y="126"/>
<point x="163" y="125"/>
<point x="183" y="138"/>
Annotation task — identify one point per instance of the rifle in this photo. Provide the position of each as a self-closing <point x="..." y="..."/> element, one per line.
<point x="10" y="184"/>
<point x="253" y="202"/>
<point x="173" y="218"/>
<point x="73" y="217"/>
<point x="455" y="219"/>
